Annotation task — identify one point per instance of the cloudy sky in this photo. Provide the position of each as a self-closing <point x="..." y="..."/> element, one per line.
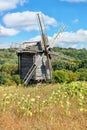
<point x="18" y="21"/>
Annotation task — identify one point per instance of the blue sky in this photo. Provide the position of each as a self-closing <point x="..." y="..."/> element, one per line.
<point x="18" y="21"/>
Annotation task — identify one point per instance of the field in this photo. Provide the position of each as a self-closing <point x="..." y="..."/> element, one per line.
<point x="44" y="107"/>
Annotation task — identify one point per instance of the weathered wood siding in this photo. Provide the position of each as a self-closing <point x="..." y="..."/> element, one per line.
<point x="42" y="71"/>
<point x="26" y="61"/>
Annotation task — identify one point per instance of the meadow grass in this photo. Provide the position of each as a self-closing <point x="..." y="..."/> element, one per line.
<point x="44" y="107"/>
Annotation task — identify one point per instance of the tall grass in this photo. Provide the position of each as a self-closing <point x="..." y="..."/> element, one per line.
<point x="44" y="107"/>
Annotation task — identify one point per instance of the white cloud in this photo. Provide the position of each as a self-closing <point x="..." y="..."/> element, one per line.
<point x="4" y="32"/>
<point x="10" y="4"/>
<point x="37" y="38"/>
<point x="75" y="1"/>
<point x="73" y="39"/>
<point x="26" y="20"/>
<point x="75" y="21"/>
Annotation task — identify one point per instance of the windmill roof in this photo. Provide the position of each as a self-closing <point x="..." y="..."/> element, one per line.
<point x="30" y="47"/>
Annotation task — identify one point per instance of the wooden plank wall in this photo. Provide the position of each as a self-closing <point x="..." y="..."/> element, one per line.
<point x="42" y="72"/>
<point x="26" y="61"/>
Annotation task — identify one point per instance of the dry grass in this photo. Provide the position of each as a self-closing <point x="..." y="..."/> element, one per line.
<point x="51" y="118"/>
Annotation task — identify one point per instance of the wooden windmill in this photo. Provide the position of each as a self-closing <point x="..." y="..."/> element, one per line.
<point x="35" y="61"/>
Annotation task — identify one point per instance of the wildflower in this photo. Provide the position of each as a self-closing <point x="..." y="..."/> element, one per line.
<point x="32" y="99"/>
<point x="38" y="97"/>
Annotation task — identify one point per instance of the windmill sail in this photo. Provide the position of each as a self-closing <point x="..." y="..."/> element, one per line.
<point x="44" y="41"/>
<point x="57" y="36"/>
<point x="42" y="30"/>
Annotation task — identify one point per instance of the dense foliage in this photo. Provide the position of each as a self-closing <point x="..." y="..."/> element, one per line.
<point x="8" y="67"/>
<point x="71" y="65"/>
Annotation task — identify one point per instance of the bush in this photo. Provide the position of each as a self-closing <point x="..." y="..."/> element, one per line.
<point x="60" y="76"/>
<point x="82" y="74"/>
<point x="2" y="78"/>
<point x="9" y="82"/>
<point x="5" y="79"/>
<point x="9" y="68"/>
<point x="72" y="76"/>
<point x="16" y="79"/>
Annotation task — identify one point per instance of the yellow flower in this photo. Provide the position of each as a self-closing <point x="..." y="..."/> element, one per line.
<point x="32" y="99"/>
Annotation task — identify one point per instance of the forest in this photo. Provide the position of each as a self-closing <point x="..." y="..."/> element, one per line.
<point x="70" y="65"/>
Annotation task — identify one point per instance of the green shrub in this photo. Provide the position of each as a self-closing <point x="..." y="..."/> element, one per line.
<point x="72" y="76"/>
<point x="9" y="68"/>
<point x="82" y="74"/>
<point x="8" y="82"/>
<point x="5" y="79"/>
<point x="2" y="78"/>
<point x="60" y="76"/>
<point x="16" y="79"/>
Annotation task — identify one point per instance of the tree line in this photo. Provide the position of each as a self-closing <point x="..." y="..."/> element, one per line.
<point x="73" y="67"/>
